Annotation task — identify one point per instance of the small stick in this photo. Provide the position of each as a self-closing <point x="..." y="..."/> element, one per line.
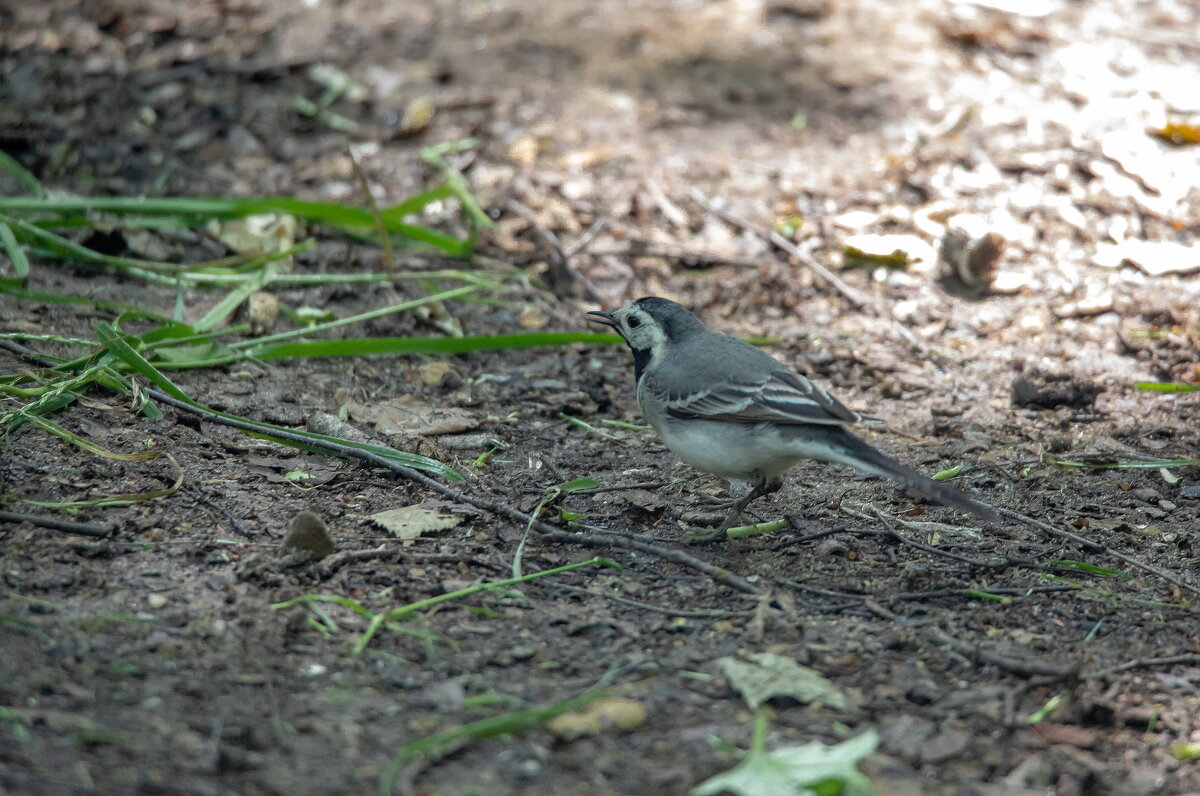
<point x="647" y="248"/>
<point x="586" y="238"/>
<point x="974" y="652"/>
<point x="829" y="277"/>
<point x="561" y="256"/>
<point x="66" y="526"/>
<point x="1020" y="666"/>
<point x="1099" y="548"/>
<point x="1144" y="663"/>
<point x="385" y="238"/>
<point x="892" y="533"/>
<point x="715" y="613"/>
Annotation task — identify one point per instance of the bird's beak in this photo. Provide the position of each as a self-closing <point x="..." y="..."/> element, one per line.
<point x="605" y="318"/>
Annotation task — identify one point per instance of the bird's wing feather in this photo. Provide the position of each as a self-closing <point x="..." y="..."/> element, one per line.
<point x="777" y="397"/>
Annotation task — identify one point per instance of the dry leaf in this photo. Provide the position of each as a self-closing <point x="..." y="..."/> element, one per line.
<point x="412" y="521"/>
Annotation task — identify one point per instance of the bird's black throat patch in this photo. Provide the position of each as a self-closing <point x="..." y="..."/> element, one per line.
<point x="641" y="358"/>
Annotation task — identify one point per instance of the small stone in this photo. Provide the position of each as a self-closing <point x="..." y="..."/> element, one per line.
<point x="307" y="532"/>
<point x="156" y="601"/>
<point x="1050" y="391"/>
<point x="1192" y="492"/>
<point x="438" y="374"/>
<point x="262" y="310"/>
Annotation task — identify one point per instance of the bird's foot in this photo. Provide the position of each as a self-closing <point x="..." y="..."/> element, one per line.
<point x="694" y="535"/>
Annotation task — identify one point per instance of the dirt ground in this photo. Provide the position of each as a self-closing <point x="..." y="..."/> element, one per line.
<point x="152" y="661"/>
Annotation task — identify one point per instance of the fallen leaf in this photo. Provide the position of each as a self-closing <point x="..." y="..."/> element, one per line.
<point x="412" y="521"/>
<point x="766" y="676"/>
<point x="1178" y="133"/>
<point x="264" y="233"/>
<point x="889" y="251"/>
<point x="797" y="770"/>
<point x="524" y="150"/>
<point x="407" y="415"/>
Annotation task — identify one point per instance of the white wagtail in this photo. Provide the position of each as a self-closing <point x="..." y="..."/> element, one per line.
<point x="723" y="406"/>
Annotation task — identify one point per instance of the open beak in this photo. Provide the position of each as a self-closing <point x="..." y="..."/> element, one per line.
<point x="605" y="318"/>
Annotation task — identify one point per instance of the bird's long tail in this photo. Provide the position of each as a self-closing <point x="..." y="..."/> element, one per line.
<point x="863" y="457"/>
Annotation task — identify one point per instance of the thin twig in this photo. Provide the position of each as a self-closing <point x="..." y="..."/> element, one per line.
<point x="621" y="487"/>
<point x="560" y="255"/>
<point x="829" y="277"/>
<point x="66" y="526"/>
<point x="1145" y="663"/>
<point x="644" y="247"/>
<point x="838" y="595"/>
<point x="385" y="239"/>
<point x="892" y="533"/>
<point x="1012" y="665"/>
<point x="716" y="613"/>
<point x="338" y="560"/>
<point x="584" y="240"/>
<point x="933" y="594"/>
<point x="1100" y="548"/>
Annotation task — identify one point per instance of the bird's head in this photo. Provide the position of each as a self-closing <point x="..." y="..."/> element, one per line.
<point x="648" y="323"/>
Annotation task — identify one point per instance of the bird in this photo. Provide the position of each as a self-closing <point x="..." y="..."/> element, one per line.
<point x="727" y="408"/>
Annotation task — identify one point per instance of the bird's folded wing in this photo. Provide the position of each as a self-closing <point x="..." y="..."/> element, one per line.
<point x="779" y="397"/>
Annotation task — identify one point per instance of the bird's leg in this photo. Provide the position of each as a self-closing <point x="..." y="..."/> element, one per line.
<point x="761" y="487"/>
<point x="740" y="505"/>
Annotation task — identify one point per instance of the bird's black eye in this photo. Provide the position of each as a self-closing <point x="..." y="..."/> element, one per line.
<point x="632" y="322"/>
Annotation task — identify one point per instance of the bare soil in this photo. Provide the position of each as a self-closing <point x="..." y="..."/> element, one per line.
<point x="152" y="661"/>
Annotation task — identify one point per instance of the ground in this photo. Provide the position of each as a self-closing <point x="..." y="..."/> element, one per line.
<point x="153" y="660"/>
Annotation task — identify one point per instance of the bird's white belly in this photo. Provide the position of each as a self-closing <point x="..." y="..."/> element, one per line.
<point x="741" y="452"/>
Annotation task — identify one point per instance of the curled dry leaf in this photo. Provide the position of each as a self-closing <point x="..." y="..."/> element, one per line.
<point x="614" y="713"/>
<point x="264" y="233"/>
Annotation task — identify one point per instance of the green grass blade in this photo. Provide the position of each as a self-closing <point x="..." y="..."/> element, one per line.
<point x="22" y="175"/>
<point x="1165" y="386"/>
<point x="1090" y="569"/>
<point x="221" y="311"/>
<point x="361" y="346"/>
<point x="33" y="235"/>
<point x="119" y="348"/>
<point x="256" y="346"/>
<point x="415" y="204"/>
<point x="194" y="211"/>
<point x="16" y="254"/>
<point x="11" y="288"/>
<point x="492" y="727"/>
<point x="337" y="599"/>
<point x="436" y="157"/>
